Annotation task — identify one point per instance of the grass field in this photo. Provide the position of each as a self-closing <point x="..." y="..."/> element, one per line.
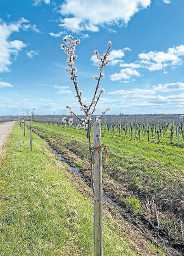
<point x="145" y="178"/>
<point x="43" y="211"/>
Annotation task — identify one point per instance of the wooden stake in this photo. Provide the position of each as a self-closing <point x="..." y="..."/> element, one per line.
<point x="98" y="193"/>
<point x="24" y="127"/>
<point x="31" y="137"/>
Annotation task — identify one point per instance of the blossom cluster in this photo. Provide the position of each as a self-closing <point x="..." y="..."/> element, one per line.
<point x="69" y="46"/>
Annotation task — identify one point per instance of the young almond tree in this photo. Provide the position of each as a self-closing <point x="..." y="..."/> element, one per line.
<point x="88" y="110"/>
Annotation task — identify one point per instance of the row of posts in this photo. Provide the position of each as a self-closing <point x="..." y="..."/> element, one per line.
<point x="30" y="130"/>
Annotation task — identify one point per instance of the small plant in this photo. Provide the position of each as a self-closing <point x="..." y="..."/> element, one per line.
<point x="134" y="204"/>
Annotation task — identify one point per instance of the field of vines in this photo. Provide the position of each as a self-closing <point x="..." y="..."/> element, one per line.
<point x="143" y="172"/>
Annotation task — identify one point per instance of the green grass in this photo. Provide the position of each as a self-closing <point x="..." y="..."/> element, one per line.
<point x="165" y="154"/>
<point x="147" y="171"/>
<point x="45" y="214"/>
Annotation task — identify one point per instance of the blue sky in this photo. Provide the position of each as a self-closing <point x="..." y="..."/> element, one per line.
<point x="145" y="73"/>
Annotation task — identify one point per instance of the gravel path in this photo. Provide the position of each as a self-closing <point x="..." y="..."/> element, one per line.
<point x="5" y="129"/>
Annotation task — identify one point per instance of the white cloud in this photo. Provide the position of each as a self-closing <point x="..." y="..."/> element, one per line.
<point x="159" y="60"/>
<point x="63" y="90"/>
<point x="152" y="61"/>
<point x="29" y="26"/>
<point x="17" y="45"/>
<point x="125" y="74"/>
<point x="116" y="55"/>
<point x="74" y="24"/>
<point x="31" y="54"/>
<point x="130" y="65"/>
<point x="134" y="97"/>
<point x="160" y="94"/>
<point x="167" y="1"/>
<point x="9" y="48"/>
<point x="37" y="2"/>
<point x="5" y="85"/>
<point x="133" y="93"/>
<point x="169" y="87"/>
<point x="56" y="35"/>
<point x="81" y="15"/>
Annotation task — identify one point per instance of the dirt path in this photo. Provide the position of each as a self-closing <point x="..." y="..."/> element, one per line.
<point x="5" y="129"/>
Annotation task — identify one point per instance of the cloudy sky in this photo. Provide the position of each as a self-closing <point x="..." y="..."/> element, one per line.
<point x="146" y="69"/>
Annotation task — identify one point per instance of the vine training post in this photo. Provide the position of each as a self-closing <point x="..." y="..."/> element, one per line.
<point x="24" y="120"/>
<point x="30" y="130"/>
<point x="88" y="110"/>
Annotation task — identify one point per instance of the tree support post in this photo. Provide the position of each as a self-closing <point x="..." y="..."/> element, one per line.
<point x="98" y="191"/>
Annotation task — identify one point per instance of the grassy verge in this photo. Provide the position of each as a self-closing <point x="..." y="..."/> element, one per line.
<point x="43" y="213"/>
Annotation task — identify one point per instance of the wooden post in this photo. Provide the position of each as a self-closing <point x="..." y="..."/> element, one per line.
<point x="20" y="122"/>
<point x="24" y="127"/>
<point x="31" y="137"/>
<point x="98" y="193"/>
